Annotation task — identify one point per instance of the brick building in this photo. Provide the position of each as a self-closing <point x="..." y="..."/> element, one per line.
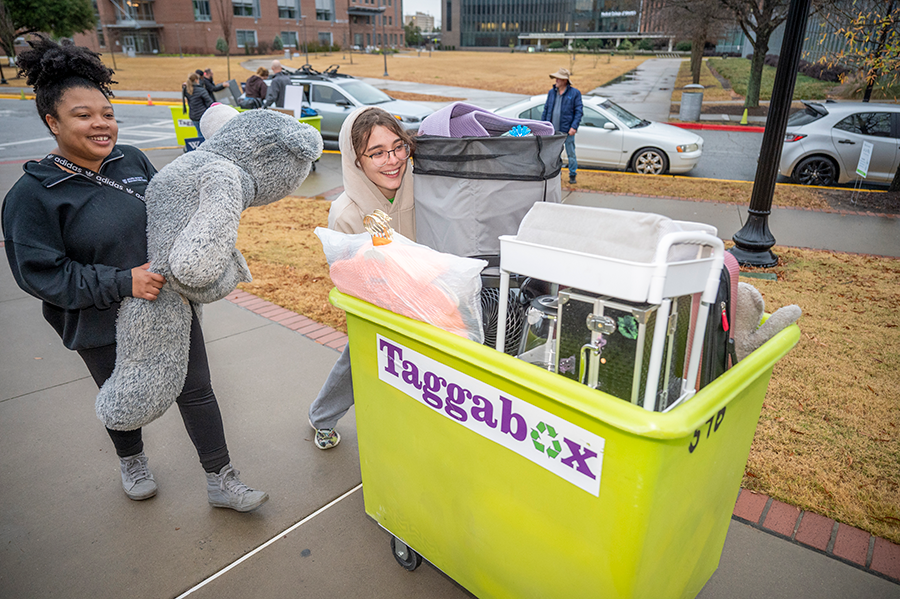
<point x="193" y="26"/>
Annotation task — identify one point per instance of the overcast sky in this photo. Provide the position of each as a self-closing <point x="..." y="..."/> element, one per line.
<point x="430" y="7"/>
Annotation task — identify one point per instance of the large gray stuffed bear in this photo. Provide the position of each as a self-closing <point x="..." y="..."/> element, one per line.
<point x="194" y="205"/>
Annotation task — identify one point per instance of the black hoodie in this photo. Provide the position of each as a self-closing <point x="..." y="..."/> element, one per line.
<point x="72" y="242"/>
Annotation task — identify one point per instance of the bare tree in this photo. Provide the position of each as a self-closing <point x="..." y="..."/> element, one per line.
<point x="7" y="39"/>
<point x="225" y="13"/>
<point x="758" y="19"/>
<point x="871" y="32"/>
<point x="697" y="20"/>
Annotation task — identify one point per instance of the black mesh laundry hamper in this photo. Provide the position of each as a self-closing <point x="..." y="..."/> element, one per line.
<point x="471" y="190"/>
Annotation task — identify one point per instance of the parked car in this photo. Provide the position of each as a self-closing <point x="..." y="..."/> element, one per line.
<point x="824" y="141"/>
<point x="611" y="137"/>
<point x="335" y="95"/>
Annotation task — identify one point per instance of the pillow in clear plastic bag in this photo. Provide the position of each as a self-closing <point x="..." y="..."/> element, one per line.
<point x="409" y="279"/>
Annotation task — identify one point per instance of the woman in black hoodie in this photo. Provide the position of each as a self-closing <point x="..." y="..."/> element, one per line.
<point x="75" y="233"/>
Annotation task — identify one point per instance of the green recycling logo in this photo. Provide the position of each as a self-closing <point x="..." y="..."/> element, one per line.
<point x="552" y="447"/>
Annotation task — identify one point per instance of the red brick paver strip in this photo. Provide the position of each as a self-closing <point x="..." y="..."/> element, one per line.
<point x="815" y="530"/>
<point x="251" y="302"/>
<point x="334" y="336"/>
<point x="275" y="311"/>
<point x="286" y="315"/>
<point x="781" y="518"/>
<point x="300" y="324"/>
<point x="851" y="544"/>
<point x="310" y="328"/>
<point x="293" y="320"/>
<point x="886" y="558"/>
<point x="338" y="343"/>
<point x="267" y="308"/>
<point x="750" y="505"/>
<point x="317" y="334"/>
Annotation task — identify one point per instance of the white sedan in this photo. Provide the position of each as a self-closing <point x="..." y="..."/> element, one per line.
<point x="611" y="137"/>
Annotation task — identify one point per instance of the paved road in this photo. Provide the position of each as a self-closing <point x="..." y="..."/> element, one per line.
<point x="24" y="136"/>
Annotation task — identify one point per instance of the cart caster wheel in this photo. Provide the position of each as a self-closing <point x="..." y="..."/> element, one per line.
<point x="313" y="167"/>
<point x="405" y="555"/>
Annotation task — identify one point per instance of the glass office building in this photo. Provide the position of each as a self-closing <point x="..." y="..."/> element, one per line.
<point x="470" y="23"/>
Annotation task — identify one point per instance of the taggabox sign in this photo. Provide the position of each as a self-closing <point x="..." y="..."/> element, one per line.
<point x="552" y="443"/>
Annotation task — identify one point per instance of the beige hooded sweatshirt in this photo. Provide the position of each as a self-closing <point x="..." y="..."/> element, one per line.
<point x="362" y="197"/>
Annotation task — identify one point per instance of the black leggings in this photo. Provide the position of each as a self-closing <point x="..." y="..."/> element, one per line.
<point x="197" y="403"/>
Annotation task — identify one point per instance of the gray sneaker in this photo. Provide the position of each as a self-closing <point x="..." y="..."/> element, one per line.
<point x="226" y="490"/>
<point x="325" y="438"/>
<point x="137" y="480"/>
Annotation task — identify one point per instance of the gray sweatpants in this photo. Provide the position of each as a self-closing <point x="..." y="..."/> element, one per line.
<point x="336" y="395"/>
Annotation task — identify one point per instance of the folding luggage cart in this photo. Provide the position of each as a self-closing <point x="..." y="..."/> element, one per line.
<point x="519" y="483"/>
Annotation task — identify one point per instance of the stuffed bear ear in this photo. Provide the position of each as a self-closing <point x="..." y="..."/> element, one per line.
<point x="306" y="143"/>
<point x="214" y="117"/>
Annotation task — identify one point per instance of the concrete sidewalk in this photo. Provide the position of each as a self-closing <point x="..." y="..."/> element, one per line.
<point x="67" y="528"/>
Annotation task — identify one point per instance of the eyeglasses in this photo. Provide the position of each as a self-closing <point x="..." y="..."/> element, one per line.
<point x="381" y="157"/>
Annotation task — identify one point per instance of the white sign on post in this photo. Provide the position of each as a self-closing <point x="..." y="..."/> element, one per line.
<point x="862" y="169"/>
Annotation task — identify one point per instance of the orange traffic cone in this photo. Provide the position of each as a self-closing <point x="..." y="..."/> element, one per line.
<point x="149" y="101"/>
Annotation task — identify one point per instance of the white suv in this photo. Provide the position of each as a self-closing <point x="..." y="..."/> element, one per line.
<point x="824" y="141"/>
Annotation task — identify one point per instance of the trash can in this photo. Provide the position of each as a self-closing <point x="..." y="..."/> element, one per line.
<point x="691" y="102"/>
<point x="517" y="482"/>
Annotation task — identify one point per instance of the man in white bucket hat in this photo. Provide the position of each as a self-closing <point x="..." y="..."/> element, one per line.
<point x="564" y="110"/>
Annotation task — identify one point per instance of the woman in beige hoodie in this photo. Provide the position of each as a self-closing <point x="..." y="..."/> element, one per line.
<point x="375" y="152"/>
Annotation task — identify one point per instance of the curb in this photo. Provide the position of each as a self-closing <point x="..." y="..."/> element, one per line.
<point x="844" y="543"/>
<point x="713" y="127"/>
<point x="683" y="199"/>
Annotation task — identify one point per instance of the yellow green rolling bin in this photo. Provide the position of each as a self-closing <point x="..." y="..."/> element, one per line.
<point x="184" y="126"/>
<point x="519" y="483"/>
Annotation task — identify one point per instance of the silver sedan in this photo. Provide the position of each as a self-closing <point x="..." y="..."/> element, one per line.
<point x="611" y="137"/>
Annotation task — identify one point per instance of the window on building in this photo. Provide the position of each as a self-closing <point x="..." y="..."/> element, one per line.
<point x="448" y="26"/>
<point x="325" y="38"/>
<point x="246" y="38"/>
<point x="201" y="10"/>
<point x="324" y="10"/>
<point x="101" y="38"/>
<point x="289" y="39"/>
<point x="243" y="8"/>
<point x="287" y="9"/>
<point x="136" y="10"/>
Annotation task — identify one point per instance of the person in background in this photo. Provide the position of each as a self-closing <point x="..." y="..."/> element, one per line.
<point x="76" y="238"/>
<point x="375" y="152"/>
<point x="198" y="99"/>
<point x="564" y="110"/>
<point x="256" y="89"/>
<point x="280" y="81"/>
<point x="206" y="78"/>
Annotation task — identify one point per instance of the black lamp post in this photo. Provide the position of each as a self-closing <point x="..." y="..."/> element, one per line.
<point x="753" y="243"/>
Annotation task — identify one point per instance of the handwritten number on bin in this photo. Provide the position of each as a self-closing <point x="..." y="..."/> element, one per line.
<point x="712" y="425"/>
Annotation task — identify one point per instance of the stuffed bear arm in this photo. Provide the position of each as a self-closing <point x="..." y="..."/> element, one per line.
<point x="203" y="252"/>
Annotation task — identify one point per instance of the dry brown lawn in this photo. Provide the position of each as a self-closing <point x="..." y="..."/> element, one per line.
<point x="518" y="73"/>
<point x="828" y="434"/>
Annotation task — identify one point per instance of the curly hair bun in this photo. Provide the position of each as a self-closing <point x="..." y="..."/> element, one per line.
<point x="49" y="63"/>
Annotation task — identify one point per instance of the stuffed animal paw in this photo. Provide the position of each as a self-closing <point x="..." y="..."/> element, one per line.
<point x="749" y="334"/>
